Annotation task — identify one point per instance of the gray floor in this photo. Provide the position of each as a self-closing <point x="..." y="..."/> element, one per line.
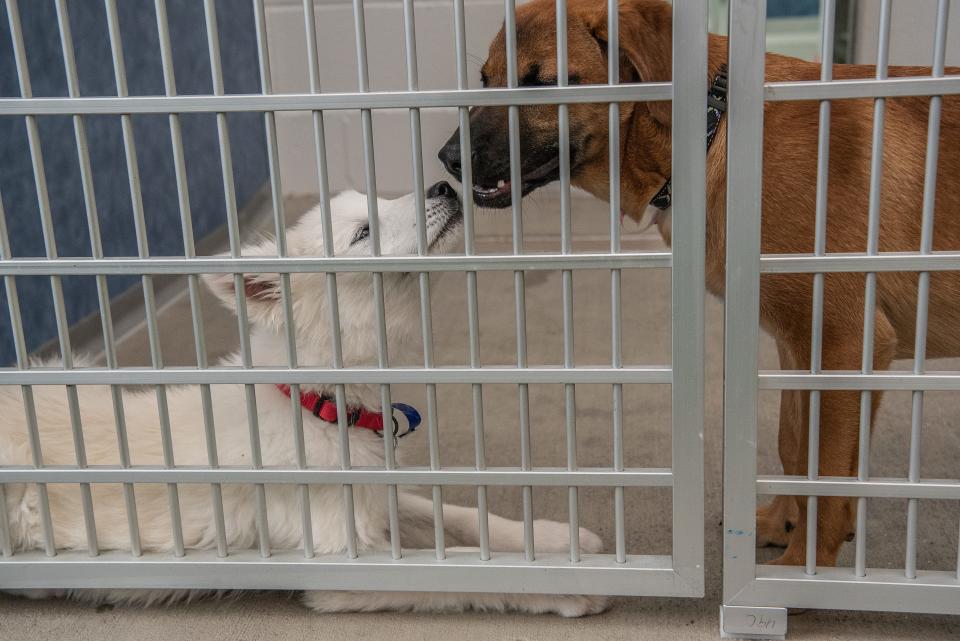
<point x="646" y="313"/>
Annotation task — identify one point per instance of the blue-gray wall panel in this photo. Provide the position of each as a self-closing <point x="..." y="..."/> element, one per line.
<point x="155" y="156"/>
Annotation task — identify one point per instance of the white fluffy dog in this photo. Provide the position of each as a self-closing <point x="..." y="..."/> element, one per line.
<point x="268" y="343"/>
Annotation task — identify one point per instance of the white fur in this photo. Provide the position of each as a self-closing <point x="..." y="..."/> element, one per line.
<point x="312" y="322"/>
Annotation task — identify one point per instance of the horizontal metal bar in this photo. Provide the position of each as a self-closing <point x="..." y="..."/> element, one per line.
<point x="326" y="376"/>
<point x="864" y="88"/>
<point x="892" y="488"/>
<point x="652" y="91"/>
<point x="286" y="265"/>
<point x="844" y="380"/>
<point x="838" y="588"/>
<point x="290" y="570"/>
<point x="883" y="262"/>
<point x="586" y="477"/>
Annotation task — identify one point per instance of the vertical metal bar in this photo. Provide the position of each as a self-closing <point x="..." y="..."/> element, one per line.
<point x="6" y="544"/>
<point x="870" y="295"/>
<point x="569" y="390"/>
<point x="519" y="285"/>
<point x="426" y="321"/>
<point x="473" y="307"/>
<point x="23" y="362"/>
<point x="50" y="244"/>
<point x="616" y="346"/>
<point x="688" y="285"/>
<point x="827" y="27"/>
<point x="136" y="199"/>
<point x="742" y="305"/>
<point x="326" y="222"/>
<point x="923" y="290"/>
<point x="233" y="230"/>
<point x="102" y="291"/>
<point x="93" y="227"/>
<point x="193" y="284"/>
<point x="279" y="223"/>
<point x="366" y="119"/>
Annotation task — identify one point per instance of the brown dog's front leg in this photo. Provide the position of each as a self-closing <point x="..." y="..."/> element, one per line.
<point x="839" y="437"/>
<point x="777" y="520"/>
<point x="839" y="447"/>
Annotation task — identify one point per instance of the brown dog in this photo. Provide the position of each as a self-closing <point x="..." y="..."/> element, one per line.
<point x="789" y="188"/>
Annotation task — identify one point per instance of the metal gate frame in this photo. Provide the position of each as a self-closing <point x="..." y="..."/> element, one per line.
<point x="679" y="574"/>
<point x="755" y="597"/>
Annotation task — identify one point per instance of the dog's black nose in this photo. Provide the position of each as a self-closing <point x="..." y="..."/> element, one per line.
<point x="450" y="155"/>
<point x="441" y="190"/>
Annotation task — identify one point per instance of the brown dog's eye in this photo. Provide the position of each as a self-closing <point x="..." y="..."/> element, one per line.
<point x="484" y="79"/>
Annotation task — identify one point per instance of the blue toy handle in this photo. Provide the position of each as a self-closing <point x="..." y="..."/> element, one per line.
<point x="412" y="416"/>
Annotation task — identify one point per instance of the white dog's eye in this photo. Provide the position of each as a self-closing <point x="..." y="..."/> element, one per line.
<point x="362" y="232"/>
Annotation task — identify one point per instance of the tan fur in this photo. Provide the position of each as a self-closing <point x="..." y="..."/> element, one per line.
<point x="789" y="188"/>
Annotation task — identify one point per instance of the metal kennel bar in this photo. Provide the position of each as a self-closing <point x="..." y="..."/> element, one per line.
<point x="279" y="225"/>
<point x="519" y="282"/>
<point x="755" y="597"/>
<point x="426" y="314"/>
<point x="336" y="357"/>
<point x="193" y="280"/>
<point x="529" y="569"/>
<point x="56" y="286"/>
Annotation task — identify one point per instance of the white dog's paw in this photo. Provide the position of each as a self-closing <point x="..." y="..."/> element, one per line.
<point x="581" y="606"/>
<point x="590" y="542"/>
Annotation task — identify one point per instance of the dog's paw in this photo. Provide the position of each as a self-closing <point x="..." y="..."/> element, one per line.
<point x="590" y="542"/>
<point x="581" y="605"/>
<point x="774" y="527"/>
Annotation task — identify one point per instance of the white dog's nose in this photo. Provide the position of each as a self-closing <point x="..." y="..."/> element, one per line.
<point x="441" y="189"/>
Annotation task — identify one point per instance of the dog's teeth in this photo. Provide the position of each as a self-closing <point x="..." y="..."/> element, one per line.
<point x="500" y="184"/>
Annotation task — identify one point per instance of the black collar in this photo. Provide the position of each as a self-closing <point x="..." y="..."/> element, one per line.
<point x="716" y="107"/>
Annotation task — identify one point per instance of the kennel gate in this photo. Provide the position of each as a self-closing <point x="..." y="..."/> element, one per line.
<point x="755" y="596"/>
<point x="678" y="574"/>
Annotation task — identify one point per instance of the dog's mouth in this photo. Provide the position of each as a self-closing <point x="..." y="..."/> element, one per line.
<point x="499" y="195"/>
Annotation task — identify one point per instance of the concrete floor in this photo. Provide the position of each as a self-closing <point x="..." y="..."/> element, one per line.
<point x="646" y="314"/>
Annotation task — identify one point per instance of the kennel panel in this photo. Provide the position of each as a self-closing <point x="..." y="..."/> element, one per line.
<point x="756" y="596"/>
<point x="623" y="570"/>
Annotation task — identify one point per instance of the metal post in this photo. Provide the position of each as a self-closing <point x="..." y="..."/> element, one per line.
<point x="742" y="298"/>
<point x="688" y="283"/>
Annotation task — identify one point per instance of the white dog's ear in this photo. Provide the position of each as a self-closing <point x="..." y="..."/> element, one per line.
<point x="260" y="290"/>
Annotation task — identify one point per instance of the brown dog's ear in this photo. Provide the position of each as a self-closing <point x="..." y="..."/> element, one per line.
<point x="646" y="45"/>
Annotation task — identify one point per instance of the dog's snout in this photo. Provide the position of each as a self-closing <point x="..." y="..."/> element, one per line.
<point x="442" y="189"/>
<point x="450" y="155"/>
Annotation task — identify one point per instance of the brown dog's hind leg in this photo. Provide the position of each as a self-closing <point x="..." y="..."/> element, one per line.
<point x="839" y="443"/>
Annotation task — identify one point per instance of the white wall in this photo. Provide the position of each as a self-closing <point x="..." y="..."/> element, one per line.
<point x="386" y="59"/>
<point x="911" y="32"/>
<point x="911" y="43"/>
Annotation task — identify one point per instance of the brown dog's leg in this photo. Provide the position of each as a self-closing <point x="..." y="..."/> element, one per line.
<point x="839" y="442"/>
<point x="776" y="520"/>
